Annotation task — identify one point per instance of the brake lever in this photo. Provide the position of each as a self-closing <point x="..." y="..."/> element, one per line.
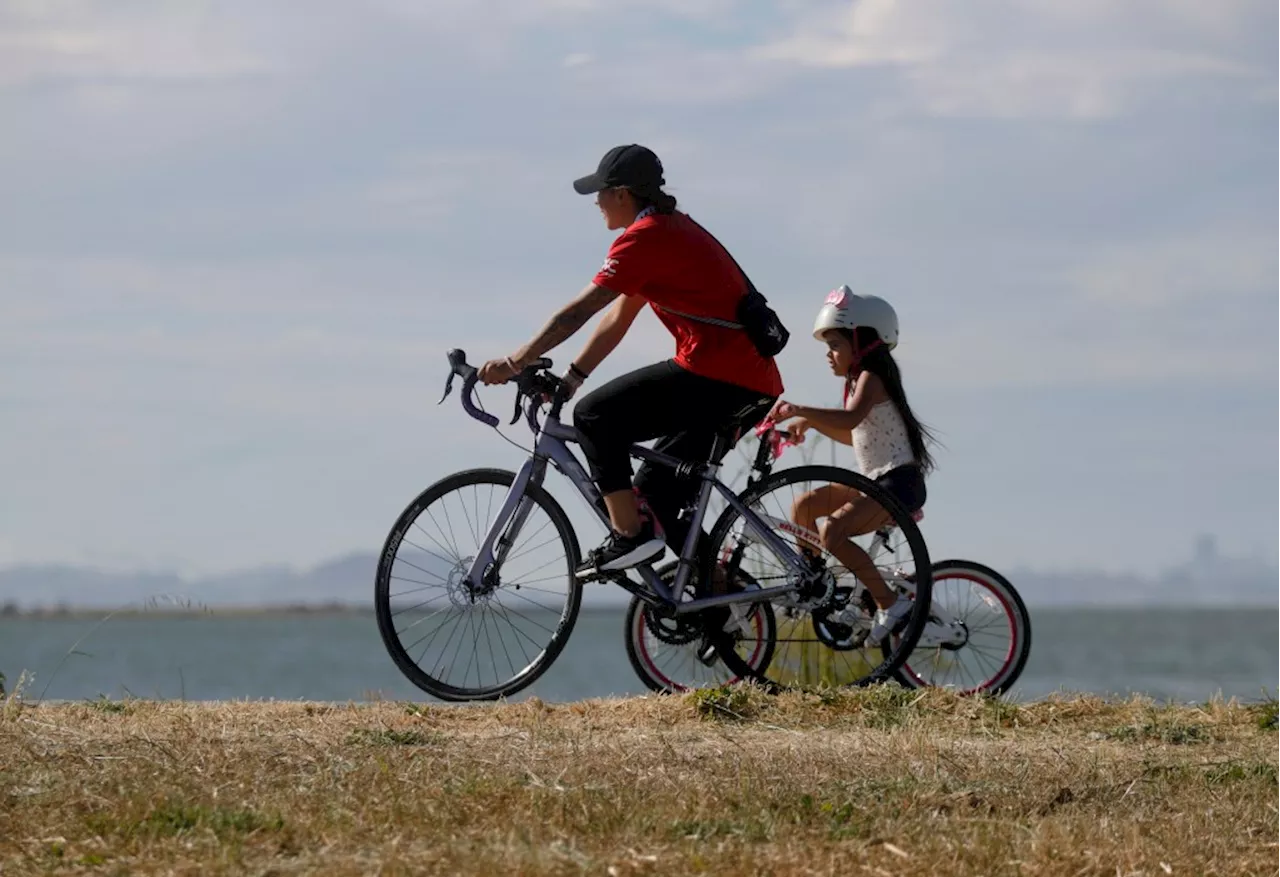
<point x="516" y="416"/>
<point x="457" y="358"/>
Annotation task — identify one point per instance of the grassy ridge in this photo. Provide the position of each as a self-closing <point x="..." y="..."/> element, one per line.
<point x="878" y="781"/>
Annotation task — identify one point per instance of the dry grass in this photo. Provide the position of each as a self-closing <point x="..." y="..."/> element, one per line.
<point x="880" y="781"/>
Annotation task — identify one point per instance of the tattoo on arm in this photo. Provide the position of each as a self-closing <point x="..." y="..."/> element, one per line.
<point x="568" y="319"/>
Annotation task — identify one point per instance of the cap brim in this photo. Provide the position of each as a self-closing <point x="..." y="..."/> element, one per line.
<point x="589" y="184"/>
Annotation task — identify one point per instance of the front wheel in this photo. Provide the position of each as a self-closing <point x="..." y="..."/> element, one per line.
<point x="980" y="640"/>
<point x="458" y="641"/>
<point x="823" y="630"/>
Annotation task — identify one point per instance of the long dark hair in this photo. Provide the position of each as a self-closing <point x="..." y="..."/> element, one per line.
<point x="880" y="362"/>
<point x="659" y="200"/>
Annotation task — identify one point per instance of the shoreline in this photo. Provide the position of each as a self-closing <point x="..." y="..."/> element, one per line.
<point x="190" y="610"/>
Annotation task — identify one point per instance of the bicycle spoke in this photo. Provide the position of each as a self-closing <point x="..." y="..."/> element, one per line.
<point x="426" y="586"/>
<point x="555" y="538"/>
<point x="533" y="535"/>
<point x="800" y="651"/>
<point x="451" y="561"/>
<point x="516" y="630"/>
<point x="433" y="634"/>
<point x="475" y="642"/>
<point x="419" y="606"/>
<point x="451" y="538"/>
<point x="462" y="639"/>
<point x="475" y="535"/>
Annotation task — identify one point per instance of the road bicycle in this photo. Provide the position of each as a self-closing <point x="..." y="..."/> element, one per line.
<point x="477" y="587"/>
<point x="976" y="640"/>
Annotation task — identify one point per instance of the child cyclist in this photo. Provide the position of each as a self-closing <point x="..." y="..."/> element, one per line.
<point x="860" y="332"/>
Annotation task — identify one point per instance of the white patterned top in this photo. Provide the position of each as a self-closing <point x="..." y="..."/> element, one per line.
<point x="880" y="441"/>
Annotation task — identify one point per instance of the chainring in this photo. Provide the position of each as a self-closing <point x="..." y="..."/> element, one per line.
<point x="673" y="630"/>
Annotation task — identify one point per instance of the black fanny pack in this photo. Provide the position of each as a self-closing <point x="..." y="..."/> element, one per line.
<point x="754" y="316"/>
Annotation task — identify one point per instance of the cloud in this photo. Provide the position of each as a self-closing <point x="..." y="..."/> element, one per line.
<point x="232" y="275"/>
<point x="1195" y="274"/>
<point x="867" y="33"/>
<point x="1080" y="61"/>
<point x="64" y="43"/>
<point x="1077" y="86"/>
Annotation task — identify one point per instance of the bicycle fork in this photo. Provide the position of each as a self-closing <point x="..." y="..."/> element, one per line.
<point x="504" y="529"/>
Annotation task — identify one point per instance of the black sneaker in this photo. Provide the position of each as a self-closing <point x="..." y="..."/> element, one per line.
<point x="623" y="552"/>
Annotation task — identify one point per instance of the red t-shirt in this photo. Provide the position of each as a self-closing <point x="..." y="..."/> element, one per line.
<point x="668" y="260"/>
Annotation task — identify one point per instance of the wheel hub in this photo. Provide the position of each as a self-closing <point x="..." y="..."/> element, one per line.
<point x="462" y="593"/>
<point x="839" y="626"/>
<point x="817" y="588"/>
<point x="959" y="637"/>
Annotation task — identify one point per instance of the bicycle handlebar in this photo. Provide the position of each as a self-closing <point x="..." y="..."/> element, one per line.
<point x="531" y="381"/>
<point x="779" y="439"/>
<point x="458" y="367"/>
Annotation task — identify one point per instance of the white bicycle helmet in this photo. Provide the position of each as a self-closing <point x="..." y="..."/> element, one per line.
<point x="845" y="309"/>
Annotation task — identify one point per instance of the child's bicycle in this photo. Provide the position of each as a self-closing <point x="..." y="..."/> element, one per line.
<point x="476" y="591"/>
<point x="977" y="638"/>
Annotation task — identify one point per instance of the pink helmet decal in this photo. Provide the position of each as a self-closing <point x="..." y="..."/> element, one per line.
<point x="838" y="297"/>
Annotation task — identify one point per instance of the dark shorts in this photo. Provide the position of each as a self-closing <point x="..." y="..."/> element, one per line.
<point x="906" y="485"/>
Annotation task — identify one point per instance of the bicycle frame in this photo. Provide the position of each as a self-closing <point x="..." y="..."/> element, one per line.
<point x="941" y="629"/>
<point x="553" y="446"/>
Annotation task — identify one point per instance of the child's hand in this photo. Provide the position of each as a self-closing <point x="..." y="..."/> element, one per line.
<point x="782" y="410"/>
<point x="798" y="428"/>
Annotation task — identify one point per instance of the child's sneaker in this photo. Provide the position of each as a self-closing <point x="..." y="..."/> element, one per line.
<point x="888" y="620"/>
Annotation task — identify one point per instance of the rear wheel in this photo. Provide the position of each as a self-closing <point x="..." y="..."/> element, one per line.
<point x="822" y="630"/>
<point x="992" y="630"/>
<point x="458" y="641"/>
<point x="673" y="653"/>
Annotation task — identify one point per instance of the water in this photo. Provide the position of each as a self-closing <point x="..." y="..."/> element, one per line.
<point x="1178" y="655"/>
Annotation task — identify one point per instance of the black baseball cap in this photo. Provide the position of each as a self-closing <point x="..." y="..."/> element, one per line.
<point x="632" y="166"/>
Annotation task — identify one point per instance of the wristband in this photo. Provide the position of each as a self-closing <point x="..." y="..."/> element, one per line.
<point x="577" y="372"/>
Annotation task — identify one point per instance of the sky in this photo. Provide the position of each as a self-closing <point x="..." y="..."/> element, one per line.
<point x="236" y="240"/>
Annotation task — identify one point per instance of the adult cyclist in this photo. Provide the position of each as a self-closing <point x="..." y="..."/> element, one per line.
<point x="716" y="382"/>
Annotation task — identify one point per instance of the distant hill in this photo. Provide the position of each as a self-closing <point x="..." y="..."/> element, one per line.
<point x="1208" y="578"/>
<point x="346" y="580"/>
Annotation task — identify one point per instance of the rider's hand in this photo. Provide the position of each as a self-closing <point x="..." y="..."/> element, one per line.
<point x="572" y="379"/>
<point x="570" y="382"/>
<point x="497" y="371"/>
<point x="797" y="428"/>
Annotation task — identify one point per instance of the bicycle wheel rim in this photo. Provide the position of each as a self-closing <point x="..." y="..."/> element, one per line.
<point x="431" y="624"/>
<point x="998" y="627"/>
<point x="803" y="660"/>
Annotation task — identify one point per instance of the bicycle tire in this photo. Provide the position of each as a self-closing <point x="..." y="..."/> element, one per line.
<point x="1015" y="660"/>
<point x="902" y="521"/>
<point x="646" y="668"/>
<point x="386" y="563"/>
